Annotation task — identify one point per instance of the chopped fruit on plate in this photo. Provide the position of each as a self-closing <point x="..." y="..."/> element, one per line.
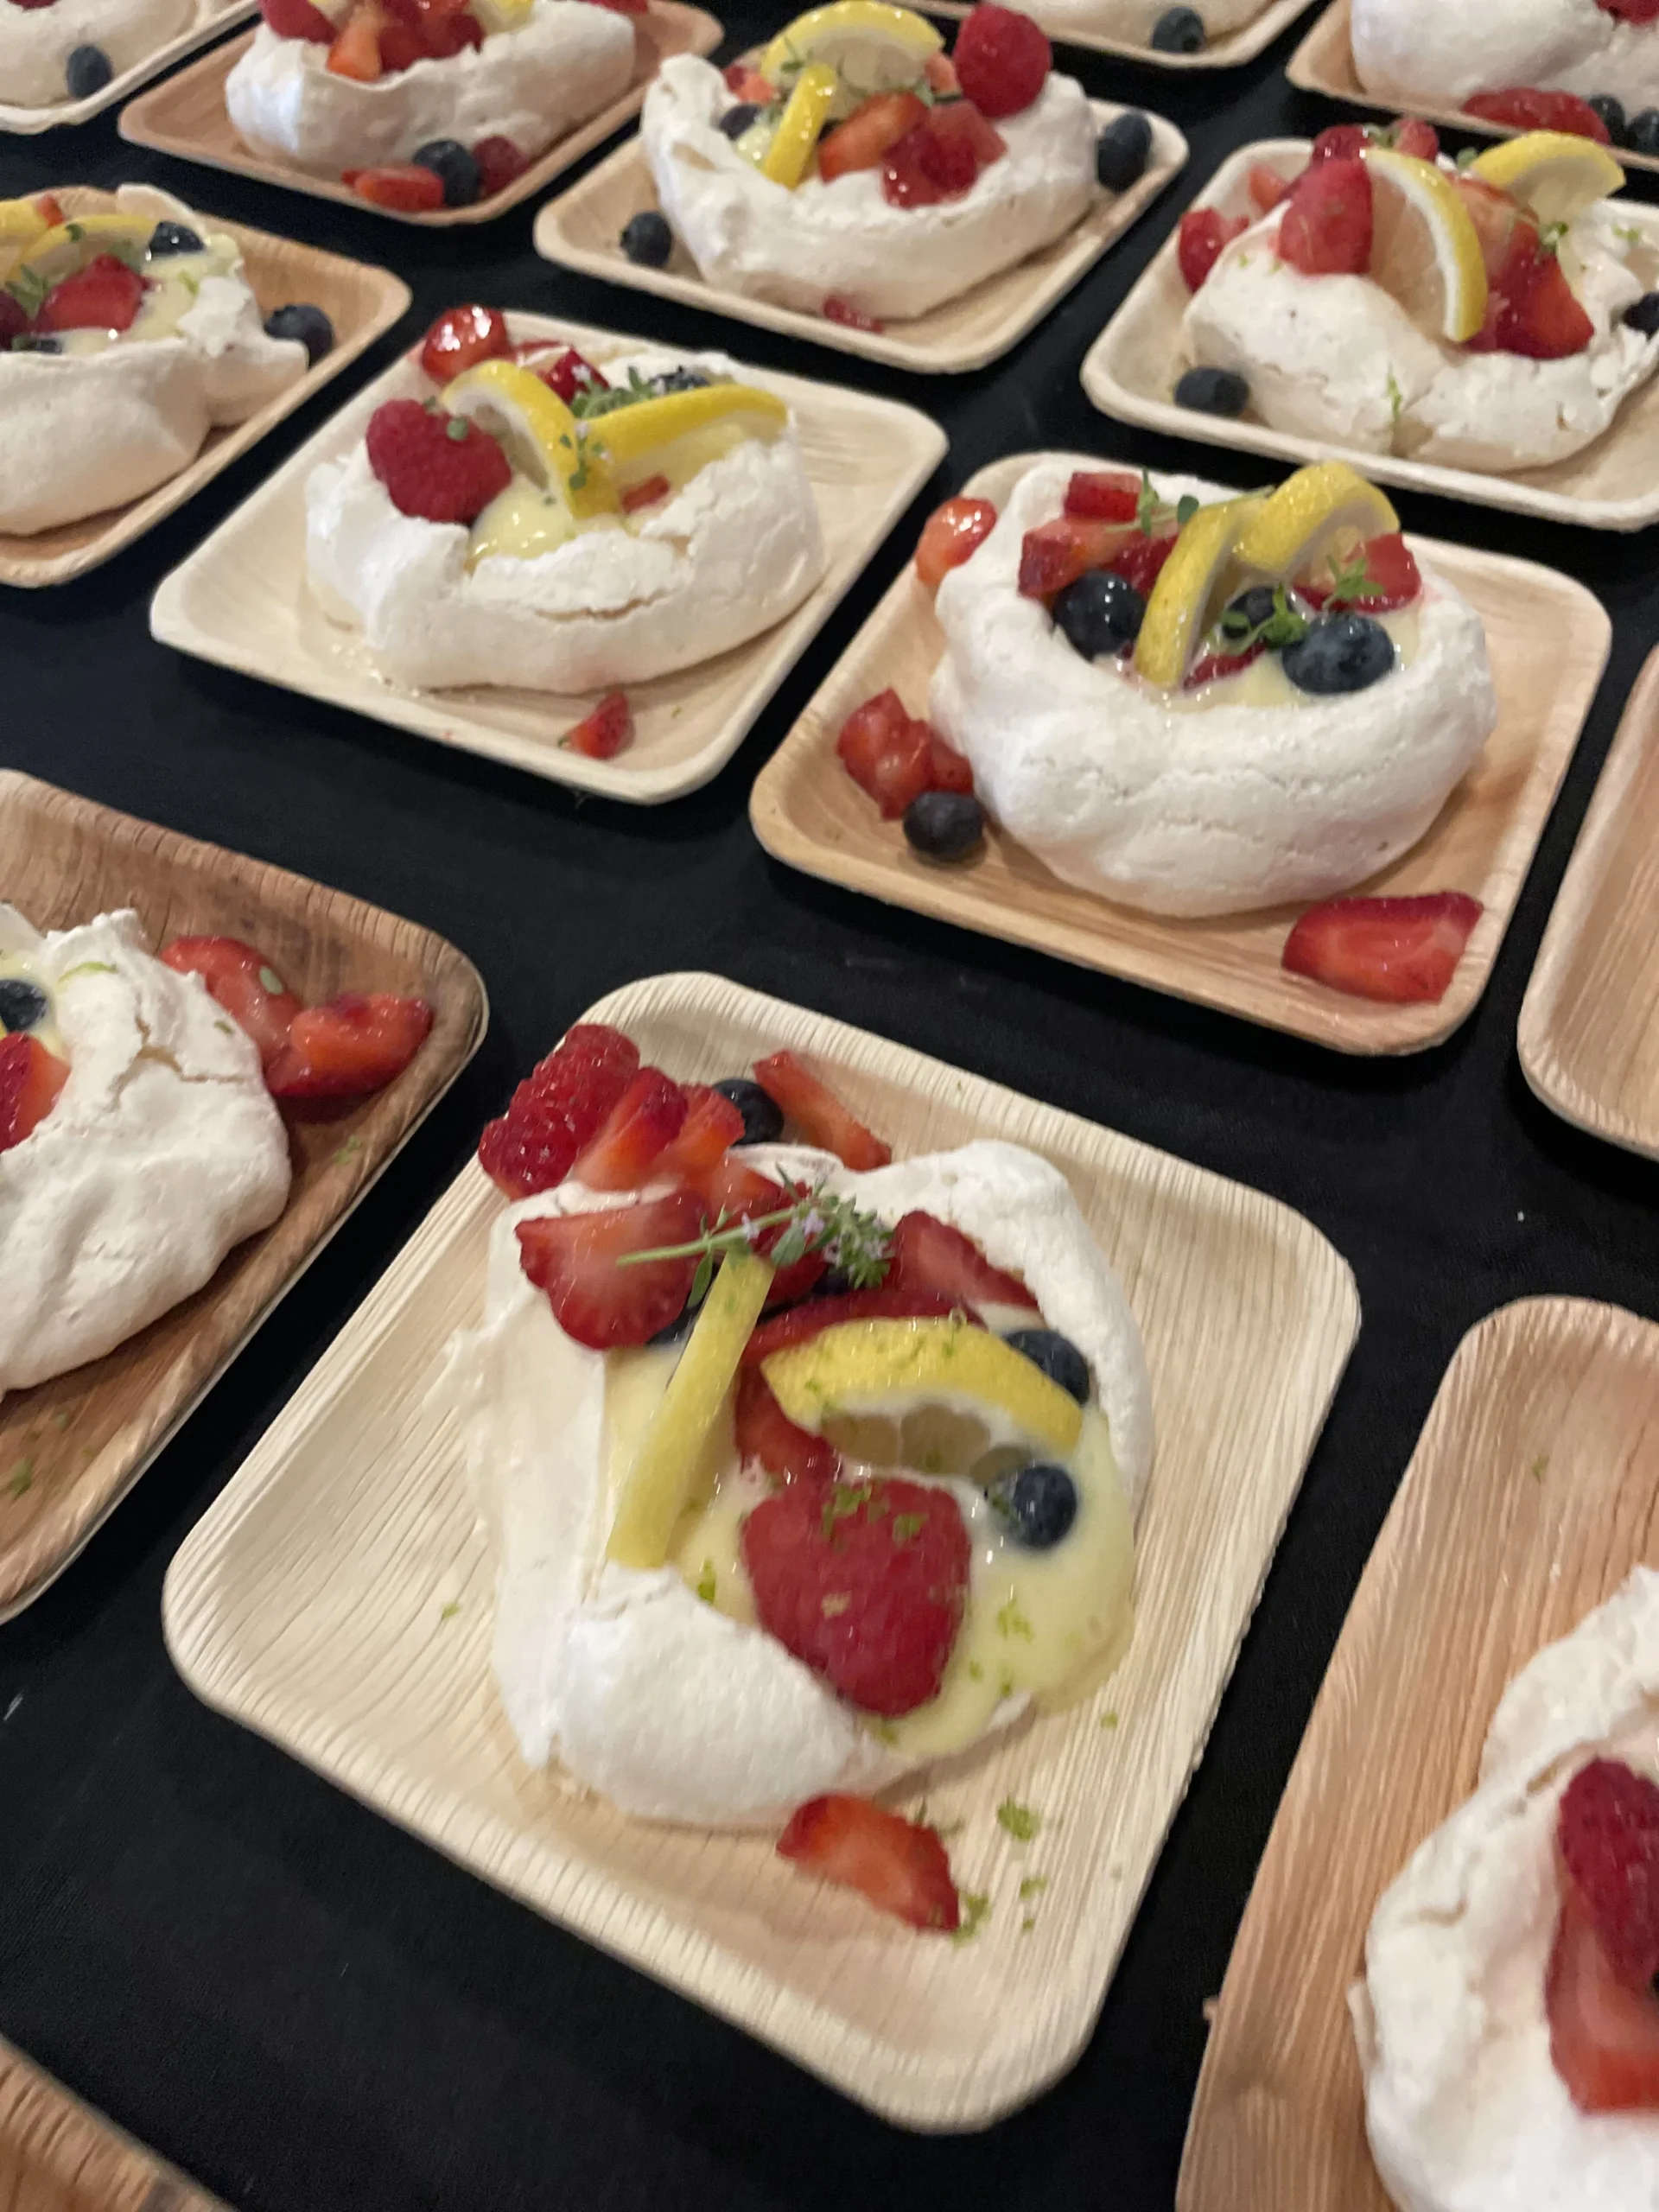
<point x="818" y="1114"/>
<point x="574" y="1258"/>
<point x="1204" y="233"/>
<point x="1400" y="949"/>
<point x="1266" y="186"/>
<point x="30" y="1079"/>
<point x="869" y="133"/>
<point x="603" y="734"/>
<point x="245" y="984"/>
<point x="567" y="375"/>
<point x="1528" y="109"/>
<point x="712" y="1125"/>
<point x="557" y="1110"/>
<point x="929" y="1255"/>
<point x="1001" y="60"/>
<point x="105" y="296"/>
<point x="955" y="531"/>
<point x="462" y="337"/>
<point x="403" y="187"/>
<point x="1104" y="495"/>
<point x="765" y="1435"/>
<point x="901" y="1865"/>
<point x="645" y="1120"/>
<point x="357" y="1043"/>
<point x="896" y="757"/>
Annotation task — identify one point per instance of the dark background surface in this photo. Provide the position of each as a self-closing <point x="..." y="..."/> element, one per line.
<point x="305" y="2007"/>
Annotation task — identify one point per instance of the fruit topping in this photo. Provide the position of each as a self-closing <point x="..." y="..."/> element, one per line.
<point x="927" y="1253"/>
<point x="644" y="1119"/>
<point x="1612" y="112"/>
<point x="760" y="1113"/>
<point x="888" y="752"/>
<point x="574" y="1258"/>
<point x="1554" y="174"/>
<point x="499" y="164"/>
<point x="1607" y="1833"/>
<point x="1057" y="553"/>
<point x="766" y="1437"/>
<point x="818" y="1114"/>
<point x="1312" y="516"/>
<point x="359" y="1042"/>
<point x="1205" y="235"/>
<point x="1104" y="494"/>
<point x="1642" y="135"/>
<point x="356" y="50"/>
<point x="1179" y="30"/>
<point x="1213" y="391"/>
<point x="297" y="19"/>
<point x="899" y="1864"/>
<point x="1122" y="151"/>
<point x="1603" y="2035"/>
<point x="649" y="493"/>
<point x="1001" y="60"/>
<point x="1383" y="576"/>
<point x="869" y="133"/>
<point x="88" y="71"/>
<point x="739" y="118"/>
<point x="241" y="980"/>
<point x="301" y="322"/>
<point x="601" y="735"/>
<point x="454" y="167"/>
<point x="1401" y="950"/>
<point x="848" y="313"/>
<point x="887" y="1301"/>
<point x="23" y="1005"/>
<point x="1339" y="653"/>
<point x="1531" y="309"/>
<point x="1099" y="615"/>
<point x="868" y="43"/>
<point x="104" y="296"/>
<point x="1057" y="1356"/>
<point x="954" y="529"/>
<point x="712" y="1123"/>
<point x="806" y="113"/>
<point x="441" y="467"/>
<point x="30" y="1080"/>
<point x="865" y="1584"/>
<point x="944" y="825"/>
<point x="1325" y="229"/>
<point x="462" y="337"/>
<point x="559" y="1108"/>
<point x="1266" y="186"/>
<point x="170" y="239"/>
<point x="1530" y="109"/>
<point x="1038" y="1503"/>
<point x="1179" y="602"/>
<point x="567" y="374"/>
<point x="749" y="85"/>
<point x="403" y="187"/>
<point x="1426" y="250"/>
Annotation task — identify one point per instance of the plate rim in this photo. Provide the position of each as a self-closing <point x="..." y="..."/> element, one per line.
<point x="1231" y="51"/>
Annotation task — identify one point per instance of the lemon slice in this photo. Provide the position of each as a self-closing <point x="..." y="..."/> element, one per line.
<point x="65" y="250"/>
<point x="942" y="1396"/>
<point x="1424" y="251"/>
<point x="1311" y="514"/>
<point x="20" y="223"/>
<point x="1178" y="611"/>
<point x="503" y="15"/>
<point x="1556" y="175"/>
<point x="543" y="439"/>
<point x="801" y="126"/>
<point x="682" y="431"/>
<point x="871" y="46"/>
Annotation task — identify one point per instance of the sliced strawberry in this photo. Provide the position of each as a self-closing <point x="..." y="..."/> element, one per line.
<point x="243" y="983"/>
<point x="356" y="50"/>
<point x="1395" y="578"/>
<point x="1532" y="310"/>
<point x="1411" y="134"/>
<point x="567" y="374"/>
<point x="929" y="1255"/>
<point x="908" y="178"/>
<point x="959" y="122"/>
<point x="358" y="1043"/>
<point x="954" y="529"/>
<point x="1402" y="950"/>
<point x="886" y="751"/>
<point x="405" y="187"/>
<point x="644" y="1121"/>
<point x="601" y="735"/>
<point x="1266" y="186"/>
<point x="940" y="72"/>
<point x="557" y="1109"/>
<point x="899" y="1864"/>
<point x="1205" y="234"/>
<point x="644" y="494"/>
<point x="749" y="85"/>
<point x="30" y="1080"/>
<point x="1103" y="494"/>
<point x="947" y="769"/>
<point x="838" y="309"/>
<point x="1210" y="668"/>
<point x="1607" y="1835"/>
<point x="712" y="1124"/>
<point x="1495" y="215"/>
<point x="461" y="338"/>
<point x="1631" y="11"/>
<point x="766" y="1435"/>
<point x="49" y="208"/>
<point x="298" y="19"/>
<point x="863" y="140"/>
<point x="739" y="1193"/>
<point x="1057" y="553"/>
<point x="888" y="1301"/>
<point x="105" y="296"/>
<point x="818" y="1114"/>
<point x="574" y="1258"/>
<point x="1340" y="141"/>
<point x="1326" y="229"/>
<point x="1140" y="558"/>
<point x="1530" y="109"/>
<point x="1604" y="2036"/>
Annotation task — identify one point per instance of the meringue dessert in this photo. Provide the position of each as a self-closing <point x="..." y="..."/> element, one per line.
<point x="755" y="1543"/>
<point x="563" y="525"/>
<point x="1420" y="52"/>
<point x="53" y="51"/>
<point x="125" y="338"/>
<point x="1492" y="316"/>
<point x="1507" y="2024"/>
<point x="860" y="173"/>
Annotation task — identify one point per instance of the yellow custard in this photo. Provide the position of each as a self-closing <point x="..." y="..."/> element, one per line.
<point x="176" y="283"/>
<point x="1264" y="683"/>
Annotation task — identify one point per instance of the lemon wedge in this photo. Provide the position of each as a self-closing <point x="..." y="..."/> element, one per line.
<point x="1556" y="175"/>
<point x="65" y="249"/>
<point x="806" y="113"/>
<point x="871" y="46"/>
<point x="1424" y="251"/>
<point x="20" y="223"/>
<point x="1177" y="613"/>
<point x="543" y="439"/>
<point x="1311" y="516"/>
<point x="682" y="431"/>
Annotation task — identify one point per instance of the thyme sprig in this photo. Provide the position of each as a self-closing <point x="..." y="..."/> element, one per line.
<point x="1234" y="632"/>
<point x="1349" y="580"/>
<point x="1153" y="511"/>
<point x="816" y="1220"/>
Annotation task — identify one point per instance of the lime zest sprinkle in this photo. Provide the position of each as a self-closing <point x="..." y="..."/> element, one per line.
<point x="1019" y="1821"/>
<point x="708" y="1584"/>
<point x="1010" y="1621"/>
<point x="975" y="1911"/>
<point x="448" y="1612"/>
<point x="907" y="1525"/>
<point x="832" y="1605"/>
<point x="22" y="1478"/>
<point x="1033" y="1885"/>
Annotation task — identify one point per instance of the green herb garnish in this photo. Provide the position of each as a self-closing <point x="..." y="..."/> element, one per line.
<point x="815" y="1221"/>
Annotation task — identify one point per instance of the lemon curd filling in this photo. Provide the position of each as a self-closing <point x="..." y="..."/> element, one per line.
<point x="174" y="281"/>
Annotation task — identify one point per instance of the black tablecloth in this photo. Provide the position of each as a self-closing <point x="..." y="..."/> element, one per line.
<point x="299" y="2004"/>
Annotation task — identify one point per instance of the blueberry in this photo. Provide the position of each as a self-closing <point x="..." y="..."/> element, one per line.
<point x="647" y="239"/>
<point x="737" y="120"/>
<point x="679" y="380"/>
<point x="677" y="1330"/>
<point x="1612" y="112"/>
<point x="1038" y="1503"/>
<point x="88" y="71"/>
<point x="307" y="324"/>
<point x="1099" y="614"/>
<point x="1341" y="653"/>
<point x="1057" y="1356"/>
<point x="763" y="1118"/>
<point x="22" y="1006"/>
<point x="454" y="168"/>
<point x="1252" y="608"/>
<point x="173" y="237"/>
<point x="944" y="825"/>
<point x="1177" y="30"/>
<point x="1213" y="391"/>
<point x="34" y="341"/>
<point x="1122" y="149"/>
<point x="1642" y="132"/>
<point x="1642" y="315"/>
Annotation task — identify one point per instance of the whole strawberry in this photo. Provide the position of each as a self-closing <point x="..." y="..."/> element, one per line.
<point x="1607" y="1832"/>
<point x="441" y="467"/>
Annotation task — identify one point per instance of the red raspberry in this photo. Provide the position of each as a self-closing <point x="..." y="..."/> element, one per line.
<point x="865" y="1583"/>
<point x="1607" y="1832"/>
<point x="1002" y="60"/>
<point x="559" y="1108"/>
<point x="440" y="467"/>
<point x="499" y="164"/>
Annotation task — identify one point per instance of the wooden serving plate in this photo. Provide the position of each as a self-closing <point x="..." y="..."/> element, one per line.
<point x="72" y="1448"/>
<point x="1589" y="1031"/>
<point x="29" y="121"/>
<point x="1231" y="52"/>
<point x="58" y="2155"/>
<point x="1533" y="1492"/>
<point x="583" y="230"/>
<point x="187" y="117"/>
<point x="1130" y="372"/>
<point x="241" y="600"/>
<point x="361" y="302"/>
<point x="337" y="1598"/>
<point x="1548" y="642"/>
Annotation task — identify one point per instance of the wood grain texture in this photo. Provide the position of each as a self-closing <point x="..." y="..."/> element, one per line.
<point x="1131" y="369"/>
<point x="187" y="117"/>
<point x="582" y="229"/>
<point x="361" y="302"/>
<point x="1533" y="1491"/>
<point x="1231" y="52"/>
<point x="241" y="599"/>
<point x="70" y="1449"/>
<point x="337" y="1598"/>
<point x="1547" y="639"/>
<point x="29" y="121"/>
<point x="1324" y="62"/>
<point x="1589" y="1029"/>
<point x="58" y="2155"/>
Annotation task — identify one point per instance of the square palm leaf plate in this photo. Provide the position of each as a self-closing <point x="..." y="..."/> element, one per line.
<point x="29" y="121"/>
<point x="1230" y="51"/>
<point x="337" y="1598"/>
<point x="58" y="2155"/>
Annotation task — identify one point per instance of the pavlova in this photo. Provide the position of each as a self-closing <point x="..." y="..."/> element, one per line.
<point x="860" y="171"/>
<point x="125" y="337"/>
<point x="1493" y="314"/>
<point x="53" y="51"/>
<point x="1508" y="2023"/>
<point x="140" y="1134"/>
<point x="801" y="1467"/>
<point x="423" y="103"/>
<point x="538" y="519"/>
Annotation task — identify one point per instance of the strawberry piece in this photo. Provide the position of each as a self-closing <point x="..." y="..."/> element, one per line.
<point x="405" y="187"/>
<point x="601" y="735"/>
<point x="499" y="164"/>
<point x="1266" y="186"/>
<point x="741" y="1193"/>
<point x="901" y="1865"/>
<point x="461" y="338"/>
<point x="1402" y="950"/>
<point x="1607" y="1833"/>
<point x="646" y="494"/>
<point x="888" y="1301"/>
<point x="14" y="319"/>
<point x="1528" y="108"/>
<point x="749" y="85"/>
<point x="356" y="50"/>
<point x="862" y="141"/>
<point x="298" y="19"/>
<point x="1604" y="2036"/>
<point x="1103" y="494"/>
<point x="939" y="74"/>
<point x="959" y="123"/>
<point x="929" y="1255"/>
<point x="1205" y="234"/>
<point x="49" y="208"/>
<point x="622" y="7"/>
<point x="947" y="769"/>
<point x="1631" y="11"/>
<point x="1495" y="216"/>
<point x="1140" y="559"/>
<point x="574" y="1258"/>
<point x="567" y="374"/>
<point x="765" y="1435"/>
<point x="1210" y="668"/>
<point x="359" y="1042"/>
<point x="241" y="978"/>
<point x="886" y="751"/>
<point x="838" y="309"/>
<point x="1340" y="141"/>
<point x="712" y="1124"/>
<point x="401" y="47"/>
<point x="1396" y="580"/>
<point x="956" y="529"/>
<point x="908" y="178"/>
<point x="865" y="1585"/>
<point x="1411" y="134"/>
<point x="818" y="1114"/>
<point x="1326" y="229"/>
<point x="30" y="1080"/>
<point x="104" y="296"/>
<point x="559" y="1108"/>
<point x="644" y="1121"/>
<point x="441" y="467"/>
<point x="1001" y="60"/>
<point x="1057" y="553"/>
<point x="1531" y="309"/>
<point x="445" y="31"/>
